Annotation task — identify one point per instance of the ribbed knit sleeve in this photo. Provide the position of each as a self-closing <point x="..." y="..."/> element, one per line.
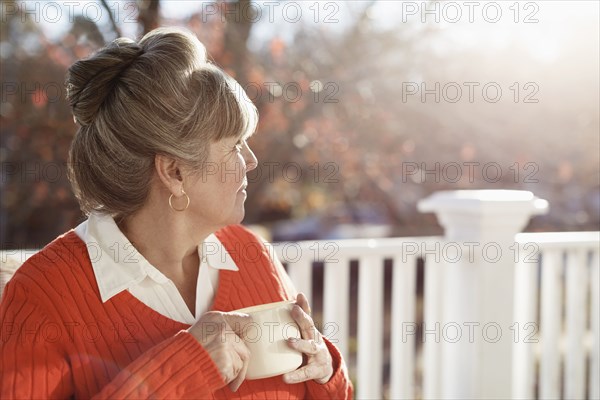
<point x="176" y="368"/>
<point x="33" y="363"/>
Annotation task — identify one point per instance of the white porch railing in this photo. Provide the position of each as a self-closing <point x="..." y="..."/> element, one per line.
<point x="551" y="261"/>
<point x="437" y="351"/>
<point x="560" y="359"/>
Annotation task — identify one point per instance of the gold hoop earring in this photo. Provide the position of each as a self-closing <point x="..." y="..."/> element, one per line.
<point x="179" y="209"/>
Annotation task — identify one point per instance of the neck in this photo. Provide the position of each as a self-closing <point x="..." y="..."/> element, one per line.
<point x="164" y="239"/>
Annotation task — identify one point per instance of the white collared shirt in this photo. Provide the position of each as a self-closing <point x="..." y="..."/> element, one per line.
<point x="119" y="266"/>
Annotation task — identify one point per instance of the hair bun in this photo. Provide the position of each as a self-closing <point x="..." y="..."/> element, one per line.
<point x="90" y="81"/>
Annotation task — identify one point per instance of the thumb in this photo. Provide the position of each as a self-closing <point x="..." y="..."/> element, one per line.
<point x="302" y="301"/>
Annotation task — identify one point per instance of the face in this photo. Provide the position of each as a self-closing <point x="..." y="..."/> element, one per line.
<point x="217" y="196"/>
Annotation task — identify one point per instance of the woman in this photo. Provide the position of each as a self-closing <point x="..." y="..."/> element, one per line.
<point x="136" y="301"/>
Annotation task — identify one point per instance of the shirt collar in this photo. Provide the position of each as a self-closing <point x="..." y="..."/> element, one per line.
<point x="216" y="255"/>
<point x="118" y="265"/>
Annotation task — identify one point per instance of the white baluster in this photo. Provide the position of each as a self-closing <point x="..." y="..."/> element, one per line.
<point x="300" y="273"/>
<point x="403" y="328"/>
<point x="432" y="314"/>
<point x="370" y="328"/>
<point x="336" y="302"/>
<point x="575" y="324"/>
<point x="526" y="291"/>
<point x="550" y="324"/>
<point x="594" y="381"/>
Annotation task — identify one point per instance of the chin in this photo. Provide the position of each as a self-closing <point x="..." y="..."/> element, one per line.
<point x="237" y="218"/>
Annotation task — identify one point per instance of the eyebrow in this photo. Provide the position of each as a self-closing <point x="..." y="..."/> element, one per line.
<point x="248" y="136"/>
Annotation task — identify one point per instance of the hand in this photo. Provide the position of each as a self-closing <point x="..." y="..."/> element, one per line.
<point x="220" y="335"/>
<point x="319" y="364"/>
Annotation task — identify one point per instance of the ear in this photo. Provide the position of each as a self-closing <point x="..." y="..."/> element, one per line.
<point x="169" y="173"/>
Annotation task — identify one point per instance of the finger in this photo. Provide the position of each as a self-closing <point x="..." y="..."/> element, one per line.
<point x="305" y="323"/>
<point x="237" y="382"/>
<point x="306" y="373"/>
<point x="244" y="354"/>
<point x="234" y="369"/>
<point x="302" y="301"/>
<point x="238" y="322"/>
<point x="304" y="346"/>
<point x="239" y="379"/>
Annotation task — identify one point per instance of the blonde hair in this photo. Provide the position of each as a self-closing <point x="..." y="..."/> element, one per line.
<point x="134" y="100"/>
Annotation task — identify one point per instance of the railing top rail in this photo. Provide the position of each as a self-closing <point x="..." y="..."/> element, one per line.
<point x="560" y="239"/>
<point x="375" y="243"/>
<point x="332" y="251"/>
<point x="325" y="250"/>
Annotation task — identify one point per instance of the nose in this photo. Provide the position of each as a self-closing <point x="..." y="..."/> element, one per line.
<point x="250" y="158"/>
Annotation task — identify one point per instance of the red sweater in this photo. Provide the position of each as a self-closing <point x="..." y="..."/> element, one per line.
<point x="59" y="340"/>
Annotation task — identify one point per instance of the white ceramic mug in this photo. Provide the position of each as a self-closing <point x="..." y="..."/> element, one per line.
<point x="266" y="338"/>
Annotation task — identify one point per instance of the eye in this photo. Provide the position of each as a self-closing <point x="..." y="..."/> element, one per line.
<point x="240" y="144"/>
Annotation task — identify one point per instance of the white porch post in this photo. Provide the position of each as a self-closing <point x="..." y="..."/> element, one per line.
<point x="478" y="256"/>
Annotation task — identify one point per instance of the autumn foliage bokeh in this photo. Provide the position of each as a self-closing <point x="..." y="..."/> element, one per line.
<point x="337" y="154"/>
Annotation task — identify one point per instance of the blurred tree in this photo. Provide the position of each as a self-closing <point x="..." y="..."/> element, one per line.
<point x="335" y="133"/>
<point x="111" y="17"/>
<point x="88" y="30"/>
<point x="148" y="15"/>
<point x="239" y="16"/>
<point x="36" y="129"/>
